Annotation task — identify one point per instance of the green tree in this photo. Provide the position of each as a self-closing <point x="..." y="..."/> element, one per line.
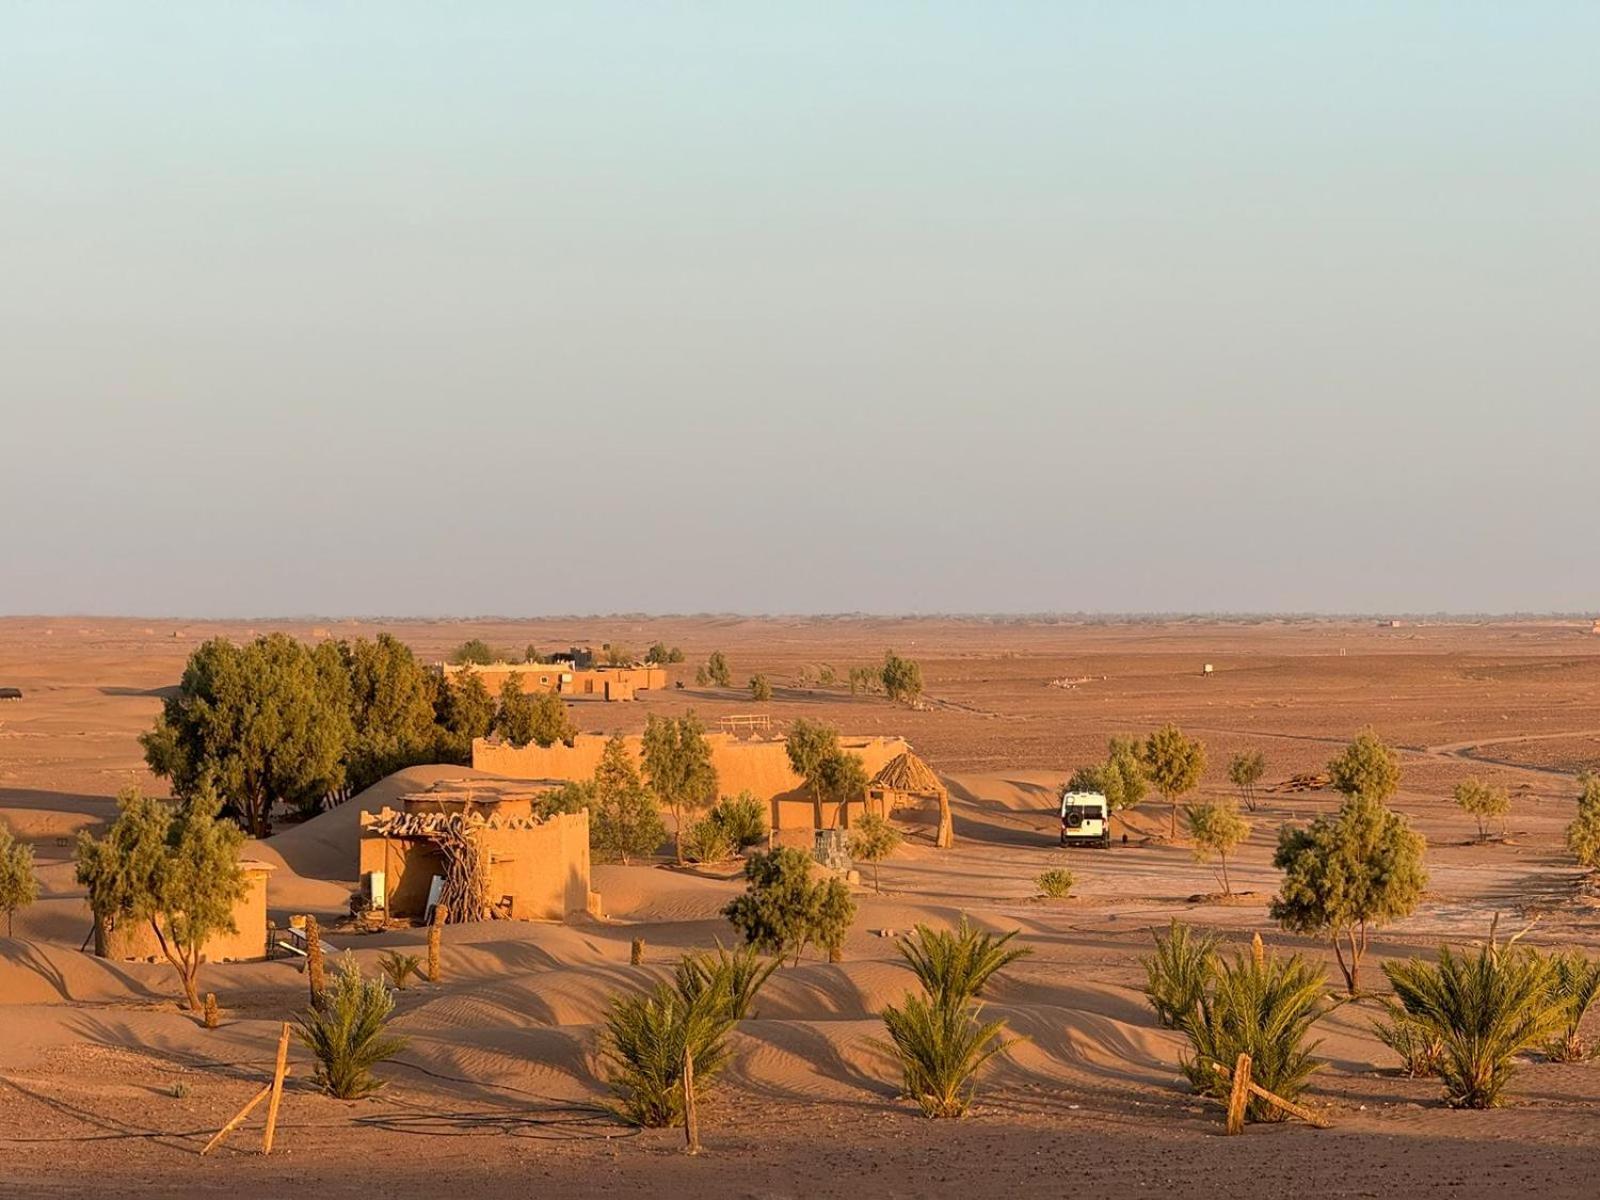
<point x="842" y="780"/>
<point x="717" y="670"/>
<point x="19" y="886"/>
<point x="677" y="764"/>
<point x="760" y="689"/>
<point x="391" y="709"/>
<point x="540" y="718"/>
<point x="476" y="651"/>
<point x="1345" y="873"/>
<point x="809" y="744"/>
<point x="265" y="723"/>
<point x="872" y="841"/>
<point x="624" y="821"/>
<point x="784" y="908"/>
<point x="464" y="710"/>
<point x="661" y="656"/>
<point x="1216" y="829"/>
<point x="1485" y="802"/>
<point x="176" y="867"/>
<point x="1174" y="764"/>
<point x="530" y="654"/>
<point x="1120" y="779"/>
<point x="1583" y="835"/>
<point x="1367" y="768"/>
<point x="1245" y="770"/>
<point x="902" y="677"/>
<point x="743" y="818"/>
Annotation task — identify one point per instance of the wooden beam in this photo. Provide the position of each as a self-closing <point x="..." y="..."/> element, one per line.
<point x="278" y="1073"/>
<point x="1239" y="1097"/>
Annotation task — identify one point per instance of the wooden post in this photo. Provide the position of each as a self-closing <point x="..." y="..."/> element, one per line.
<point x="691" y="1120"/>
<point x="238" y="1118"/>
<point x="1258" y="951"/>
<point x="1289" y="1106"/>
<point x="1239" y="1097"/>
<point x="439" y="914"/>
<point x="636" y="952"/>
<point x="314" y="975"/>
<point x="277" y="1089"/>
<point x="213" y="1014"/>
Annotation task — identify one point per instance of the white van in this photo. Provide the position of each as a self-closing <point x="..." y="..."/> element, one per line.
<point x="1084" y="820"/>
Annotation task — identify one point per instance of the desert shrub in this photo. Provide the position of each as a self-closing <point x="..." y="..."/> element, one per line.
<point x="1055" y="883"/>
<point x="784" y="908"/>
<point x="1178" y="973"/>
<point x="717" y="670"/>
<point x="956" y="965"/>
<point x="347" y="1033"/>
<point x="19" y="886"/>
<point x="476" y="651"/>
<point x="1347" y="872"/>
<point x="1245" y="770"/>
<point x="1583" y="835"/>
<point x="646" y="1039"/>
<point x="737" y="976"/>
<point x="400" y="968"/>
<point x="1174" y="764"/>
<point x="1485" y="1007"/>
<point x="1484" y="802"/>
<point x="624" y="819"/>
<point x="873" y="840"/>
<point x="1419" y="1047"/>
<point x="941" y="1045"/>
<point x="1577" y="985"/>
<point x="1216" y="830"/>
<point x="1262" y="1005"/>
<point x="573" y="796"/>
<point x="707" y="842"/>
<point x="1366" y="768"/>
<point x="760" y="689"/>
<point x="743" y="818"/>
<point x="901" y="677"/>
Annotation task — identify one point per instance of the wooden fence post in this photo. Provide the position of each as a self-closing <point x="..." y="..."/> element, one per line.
<point x="1239" y="1097"/>
<point x="691" y="1120"/>
<point x="277" y="1089"/>
<point x="439" y="915"/>
<point x="636" y="952"/>
<point x="314" y="973"/>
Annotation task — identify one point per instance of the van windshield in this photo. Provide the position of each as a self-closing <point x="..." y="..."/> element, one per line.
<point x="1090" y="812"/>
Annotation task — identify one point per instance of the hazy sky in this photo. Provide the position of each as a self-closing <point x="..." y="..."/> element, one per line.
<point x="526" y="308"/>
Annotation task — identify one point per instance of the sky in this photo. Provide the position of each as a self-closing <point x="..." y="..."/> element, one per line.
<point x="531" y="308"/>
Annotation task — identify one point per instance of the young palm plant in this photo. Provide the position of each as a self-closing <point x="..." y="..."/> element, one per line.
<point x="941" y="1043"/>
<point x="737" y="976"/>
<point x="1577" y="986"/>
<point x="400" y="967"/>
<point x="1178" y="973"/>
<point x="1264" y="1006"/>
<point x="1420" y="1048"/>
<point x="347" y="1033"/>
<point x="646" y="1039"/>
<point x="957" y="965"/>
<point x="1486" y="1007"/>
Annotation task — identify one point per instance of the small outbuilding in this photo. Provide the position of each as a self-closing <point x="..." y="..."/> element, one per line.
<point x="906" y="779"/>
<point x="247" y="943"/>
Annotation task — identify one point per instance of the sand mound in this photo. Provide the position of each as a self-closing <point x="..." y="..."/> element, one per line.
<point x="39" y="973"/>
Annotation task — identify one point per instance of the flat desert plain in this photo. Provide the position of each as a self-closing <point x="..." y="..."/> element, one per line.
<point x="108" y="1088"/>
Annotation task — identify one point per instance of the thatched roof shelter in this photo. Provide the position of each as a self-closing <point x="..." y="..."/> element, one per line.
<point x="907" y="773"/>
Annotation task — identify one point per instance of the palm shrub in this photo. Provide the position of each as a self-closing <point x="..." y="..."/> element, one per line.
<point x="347" y="1033"/>
<point x="708" y="842"/>
<point x="400" y="967"/>
<point x="1055" y="883"/>
<point x="941" y="1043"/>
<point x="1264" y="1006"/>
<point x="1486" y="1007"/>
<point x="1577" y="985"/>
<point x="1419" y="1046"/>
<point x="743" y="818"/>
<point x="1177" y="974"/>
<point x="647" y="1037"/>
<point x="956" y="965"/>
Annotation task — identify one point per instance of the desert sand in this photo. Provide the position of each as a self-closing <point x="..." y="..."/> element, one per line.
<point x="110" y="1089"/>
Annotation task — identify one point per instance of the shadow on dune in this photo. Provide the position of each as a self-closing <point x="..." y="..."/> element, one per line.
<point x="158" y="693"/>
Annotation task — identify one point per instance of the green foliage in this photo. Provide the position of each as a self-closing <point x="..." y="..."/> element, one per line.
<point x="400" y="967"/>
<point x="1485" y="802"/>
<point x="760" y="689"/>
<point x="743" y="818"/>
<point x="1245" y="770"/>
<point x="1420" y="1049"/>
<point x="619" y="656"/>
<point x="1583" y="835"/>
<point x="573" y="796"/>
<point x="1216" y="830"/>
<point x="865" y="679"/>
<point x="1056" y="883"/>
<point x="708" y="842"/>
<point x="525" y="717"/>
<point x="391" y="709"/>
<point x="677" y="764"/>
<point x="475" y="651"/>
<point x="941" y="1048"/>
<point x="872" y="840"/>
<point x="701" y="679"/>
<point x="624" y="821"/>
<point x="175" y="867"/>
<point x="19" y="886"/>
<point x="1576" y="986"/>
<point x="832" y="775"/>
<point x="463" y="710"/>
<point x="808" y="744"/>
<point x="1366" y="768"/>
<point x="902" y="678"/>
<point x="263" y="723"/>
<point x="1179" y="972"/>
<point x="1344" y="873"/>
<point x="1485" y="1007"/>
<point x="827" y="676"/>
<point x="1262" y="1005"/>
<point x="717" y="670"/>
<point x="1120" y="779"/>
<point x="784" y="908"/>
<point x="1173" y="764"/>
<point x="736" y="975"/>
<point x="347" y="1033"/>
<point x="954" y="966"/>
<point x="530" y="654"/>
<point x="661" y="656"/>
